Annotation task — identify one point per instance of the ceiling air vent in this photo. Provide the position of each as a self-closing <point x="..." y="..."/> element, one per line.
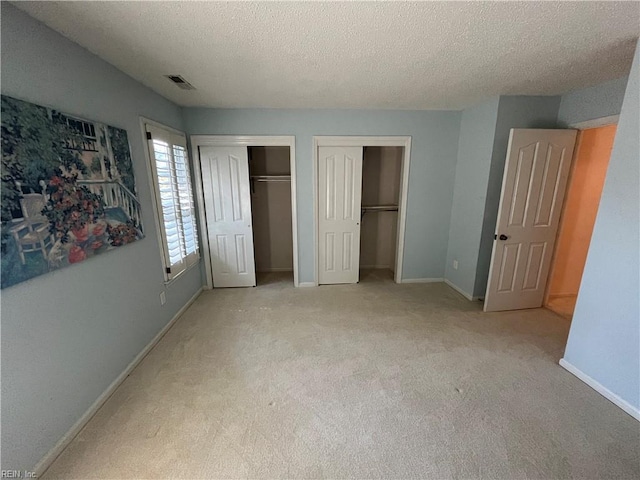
<point x="180" y="82"/>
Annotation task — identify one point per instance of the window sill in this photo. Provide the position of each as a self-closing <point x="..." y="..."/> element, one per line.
<point x="168" y="283"/>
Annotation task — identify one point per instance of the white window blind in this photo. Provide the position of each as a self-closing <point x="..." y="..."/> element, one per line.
<point x="174" y="199"/>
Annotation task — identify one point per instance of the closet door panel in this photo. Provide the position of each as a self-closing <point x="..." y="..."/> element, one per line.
<point x="340" y="189"/>
<point x="225" y="180"/>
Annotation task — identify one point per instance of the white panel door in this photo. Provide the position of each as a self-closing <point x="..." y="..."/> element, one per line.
<point x="533" y="187"/>
<point x="227" y="200"/>
<point x="339" y="195"/>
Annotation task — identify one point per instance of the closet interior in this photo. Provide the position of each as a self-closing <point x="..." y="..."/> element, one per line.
<point x="270" y="182"/>
<point x="381" y="177"/>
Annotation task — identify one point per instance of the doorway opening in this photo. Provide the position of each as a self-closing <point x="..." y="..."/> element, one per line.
<point x="360" y="208"/>
<point x="270" y="178"/>
<point x="584" y="189"/>
<point x="381" y="179"/>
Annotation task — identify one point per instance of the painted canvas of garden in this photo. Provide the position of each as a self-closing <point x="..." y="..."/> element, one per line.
<point x="68" y="190"/>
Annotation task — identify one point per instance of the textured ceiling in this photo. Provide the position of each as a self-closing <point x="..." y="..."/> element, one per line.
<point x="423" y="55"/>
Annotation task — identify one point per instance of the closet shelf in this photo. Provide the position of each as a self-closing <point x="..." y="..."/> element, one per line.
<point x="271" y="178"/>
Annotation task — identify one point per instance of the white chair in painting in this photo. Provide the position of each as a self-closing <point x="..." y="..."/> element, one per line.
<point x="31" y="233"/>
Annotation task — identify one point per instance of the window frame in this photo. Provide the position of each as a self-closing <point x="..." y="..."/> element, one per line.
<point x="176" y="137"/>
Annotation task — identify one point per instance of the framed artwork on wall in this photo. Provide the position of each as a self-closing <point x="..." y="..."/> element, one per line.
<point x="68" y="190"/>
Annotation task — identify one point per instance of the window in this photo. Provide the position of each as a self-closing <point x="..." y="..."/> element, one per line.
<point x="86" y="130"/>
<point x="174" y="199"/>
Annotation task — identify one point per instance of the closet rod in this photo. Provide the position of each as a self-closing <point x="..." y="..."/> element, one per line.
<point x="380" y="208"/>
<point x="271" y="178"/>
<point x="377" y="208"/>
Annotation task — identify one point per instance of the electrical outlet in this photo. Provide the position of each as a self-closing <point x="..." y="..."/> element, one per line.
<point x="455" y="264"/>
<point x="163" y="298"/>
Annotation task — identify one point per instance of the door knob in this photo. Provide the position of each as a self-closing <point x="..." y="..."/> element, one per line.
<point x="503" y="237"/>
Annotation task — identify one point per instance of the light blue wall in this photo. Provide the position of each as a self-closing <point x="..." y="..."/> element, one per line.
<point x="514" y="112"/>
<point x="68" y="334"/>
<point x="594" y="102"/>
<point x="604" y="340"/>
<point x="475" y="148"/>
<point x="433" y="161"/>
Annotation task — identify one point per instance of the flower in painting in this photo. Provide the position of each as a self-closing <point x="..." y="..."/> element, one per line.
<point x="76" y="254"/>
<point x="98" y="230"/>
<point x="122" y="234"/>
<point x="55" y="181"/>
<point x="71" y="207"/>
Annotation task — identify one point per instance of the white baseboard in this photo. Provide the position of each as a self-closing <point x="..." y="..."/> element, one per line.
<point x="66" y="439"/>
<point x="602" y="390"/>
<point x="421" y="280"/>
<point x="461" y="292"/>
<point x="307" y="284"/>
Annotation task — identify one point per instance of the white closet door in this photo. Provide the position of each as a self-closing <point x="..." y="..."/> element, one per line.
<point x="533" y="186"/>
<point x="227" y="198"/>
<point x="340" y="191"/>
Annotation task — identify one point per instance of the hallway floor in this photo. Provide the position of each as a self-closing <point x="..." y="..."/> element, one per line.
<point x="563" y="305"/>
<point x="373" y="380"/>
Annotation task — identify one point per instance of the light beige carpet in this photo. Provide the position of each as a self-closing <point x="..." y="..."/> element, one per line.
<point x="374" y="380"/>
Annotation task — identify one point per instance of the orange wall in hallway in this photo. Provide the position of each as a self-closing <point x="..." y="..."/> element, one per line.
<point x="580" y="208"/>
